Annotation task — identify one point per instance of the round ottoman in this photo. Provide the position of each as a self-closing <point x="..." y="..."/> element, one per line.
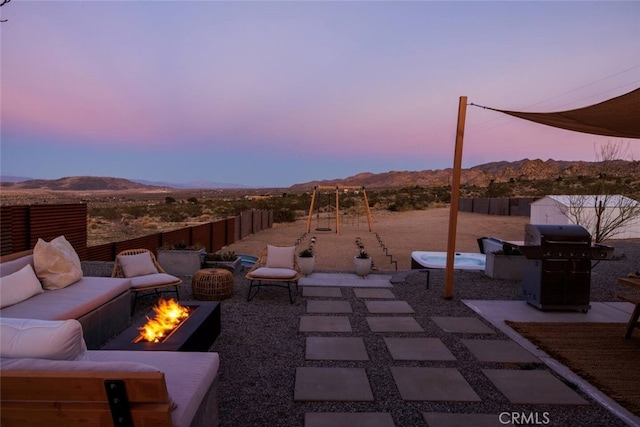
<point x="212" y="284"/>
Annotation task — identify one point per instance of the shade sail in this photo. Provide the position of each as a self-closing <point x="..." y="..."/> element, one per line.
<point x="618" y="117"/>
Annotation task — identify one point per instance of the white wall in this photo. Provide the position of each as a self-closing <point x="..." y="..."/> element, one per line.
<point x="548" y="211"/>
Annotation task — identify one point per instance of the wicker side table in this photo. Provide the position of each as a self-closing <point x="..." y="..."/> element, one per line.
<point x="212" y="284"/>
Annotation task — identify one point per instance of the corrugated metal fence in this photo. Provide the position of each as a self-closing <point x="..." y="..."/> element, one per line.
<point x="22" y="226"/>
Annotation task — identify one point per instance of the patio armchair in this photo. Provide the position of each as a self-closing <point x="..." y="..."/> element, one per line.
<point x="146" y="274"/>
<point x="276" y="266"/>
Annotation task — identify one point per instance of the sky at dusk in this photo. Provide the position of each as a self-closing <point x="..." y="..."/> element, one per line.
<point x="270" y="94"/>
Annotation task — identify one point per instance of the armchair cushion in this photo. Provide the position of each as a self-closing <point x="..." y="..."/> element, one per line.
<point x="137" y="265"/>
<point x="280" y="257"/>
<point x="273" y="273"/>
<point x="19" y="286"/>
<point x="157" y="279"/>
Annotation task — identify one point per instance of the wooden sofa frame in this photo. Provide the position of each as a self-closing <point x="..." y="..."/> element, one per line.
<point x="84" y="398"/>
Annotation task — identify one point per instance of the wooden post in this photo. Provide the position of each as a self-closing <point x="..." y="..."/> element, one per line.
<point x="366" y="206"/>
<point x="337" y="210"/>
<point x="313" y="199"/>
<point x="455" y="198"/>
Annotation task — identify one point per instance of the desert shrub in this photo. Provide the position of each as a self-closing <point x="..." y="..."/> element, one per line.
<point x="284" y="215"/>
<point x="169" y="200"/>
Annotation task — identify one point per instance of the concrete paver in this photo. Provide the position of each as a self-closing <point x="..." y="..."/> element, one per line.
<point x="332" y="384"/>
<point x="336" y="348"/>
<point x="441" y="384"/>
<point x="393" y="324"/>
<point x="373" y="293"/>
<point x="329" y="306"/>
<point x="533" y="387"/>
<point x="389" y="307"/>
<point x="325" y="324"/>
<point x="501" y="351"/>
<point x="418" y="349"/>
<point x="313" y="291"/>
<point x="348" y="419"/>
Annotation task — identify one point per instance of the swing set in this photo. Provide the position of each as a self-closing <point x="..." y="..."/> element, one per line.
<point x="334" y="214"/>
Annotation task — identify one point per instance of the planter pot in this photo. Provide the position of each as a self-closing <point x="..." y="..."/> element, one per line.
<point x="362" y="266"/>
<point x="181" y="262"/>
<point x="232" y="266"/>
<point x="306" y="264"/>
<point x="509" y="267"/>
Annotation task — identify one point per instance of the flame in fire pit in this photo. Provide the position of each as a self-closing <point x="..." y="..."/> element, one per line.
<point x="168" y="316"/>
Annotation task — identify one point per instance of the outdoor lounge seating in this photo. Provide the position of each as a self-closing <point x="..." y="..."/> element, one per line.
<point x="277" y="266"/>
<point x="141" y="267"/>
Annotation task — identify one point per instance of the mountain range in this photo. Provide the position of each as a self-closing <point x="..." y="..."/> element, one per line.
<point x="481" y="176"/>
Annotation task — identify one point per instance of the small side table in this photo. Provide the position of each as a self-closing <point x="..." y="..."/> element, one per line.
<point x="212" y="284"/>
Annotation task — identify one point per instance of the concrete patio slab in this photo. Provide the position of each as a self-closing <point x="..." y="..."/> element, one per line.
<point x="439" y="384"/>
<point x="347" y="280"/>
<point x="393" y="324"/>
<point x="336" y="348"/>
<point x="388" y="307"/>
<point x="470" y="325"/>
<point x="373" y="293"/>
<point x="533" y="387"/>
<point x="323" y="306"/>
<point x="348" y="419"/>
<point x="434" y="419"/>
<point x="332" y="384"/>
<point x="499" y="351"/>
<point x="418" y="349"/>
<point x="321" y="292"/>
<point x="324" y="324"/>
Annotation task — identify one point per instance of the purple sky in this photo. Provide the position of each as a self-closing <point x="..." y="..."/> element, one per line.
<point x="277" y="93"/>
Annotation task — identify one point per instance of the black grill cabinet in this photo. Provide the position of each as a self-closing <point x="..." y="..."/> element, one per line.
<point x="557" y="274"/>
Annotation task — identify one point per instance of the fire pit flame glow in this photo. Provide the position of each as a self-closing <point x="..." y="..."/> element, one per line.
<point x="168" y="317"/>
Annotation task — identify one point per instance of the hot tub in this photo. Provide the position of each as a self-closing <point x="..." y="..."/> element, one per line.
<point x="438" y="260"/>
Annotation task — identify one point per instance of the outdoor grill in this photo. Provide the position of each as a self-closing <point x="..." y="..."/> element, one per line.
<point x="557" y="274"/>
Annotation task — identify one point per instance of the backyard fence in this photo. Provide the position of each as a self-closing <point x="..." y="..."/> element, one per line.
<point x="509" y="206"/>
<point x="22" y="226"/>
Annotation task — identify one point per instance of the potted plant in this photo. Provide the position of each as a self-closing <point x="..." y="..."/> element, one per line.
<point x="306" y="260"/>
<point x="180" y="259"/>
<point x="362" y="263"/>
<point x="227" y="259"/>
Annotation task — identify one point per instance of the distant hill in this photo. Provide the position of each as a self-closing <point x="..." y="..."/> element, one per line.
<point x="77" y="183"/>
<point x="94" y="183"/>
<point x="480" y="176"/>
<point x="483" y="175"/>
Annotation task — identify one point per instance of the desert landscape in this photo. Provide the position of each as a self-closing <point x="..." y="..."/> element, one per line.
<point x="401" y="233"/>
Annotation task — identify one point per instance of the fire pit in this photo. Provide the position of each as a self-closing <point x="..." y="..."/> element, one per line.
<point x="197" y="331"/>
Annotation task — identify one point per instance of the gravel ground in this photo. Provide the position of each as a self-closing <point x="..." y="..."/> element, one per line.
<point x="260" y="347"/>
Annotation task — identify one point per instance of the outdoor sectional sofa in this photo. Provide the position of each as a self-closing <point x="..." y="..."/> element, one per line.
<point x="100" y="304"/>
<point x="41" y="376"/>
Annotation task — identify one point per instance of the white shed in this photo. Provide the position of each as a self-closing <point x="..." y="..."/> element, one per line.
<point x="574" y="209"/>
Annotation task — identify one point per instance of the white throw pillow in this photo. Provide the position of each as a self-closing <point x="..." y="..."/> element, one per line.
<point x="280" y="257"/>
<point x="19" y="286"/>
<point x="137" y="265"/>
<point x="41" y="339"/>
<point x="56" y="263"/>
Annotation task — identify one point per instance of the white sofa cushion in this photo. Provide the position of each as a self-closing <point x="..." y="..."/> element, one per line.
<point x="280" y="257"/>
<point x="19" y="286"/>
<point x="273" y="273"/>
<point x="137" y="265"/>
<point x="42" y="339"/>
<point x="56" y="263"/>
